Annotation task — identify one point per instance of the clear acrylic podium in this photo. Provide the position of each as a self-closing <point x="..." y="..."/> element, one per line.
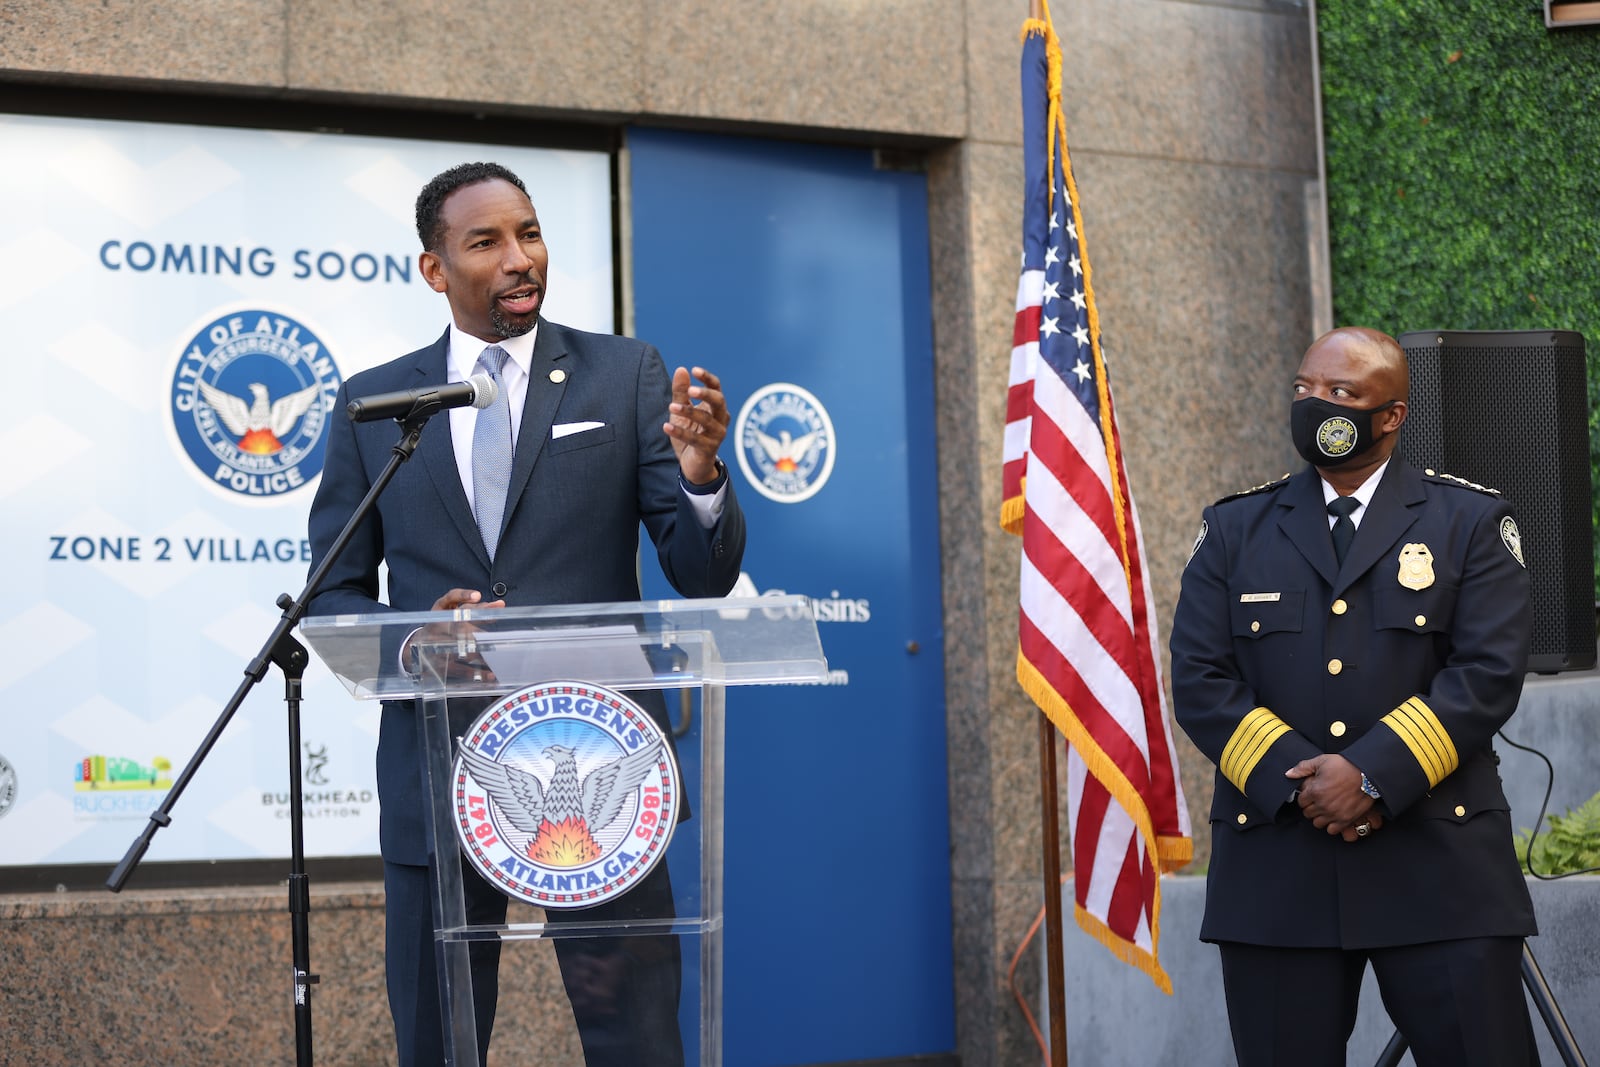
<point x="471" y="656"/>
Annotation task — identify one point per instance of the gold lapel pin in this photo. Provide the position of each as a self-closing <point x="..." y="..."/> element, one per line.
<point x="558" y="376"/>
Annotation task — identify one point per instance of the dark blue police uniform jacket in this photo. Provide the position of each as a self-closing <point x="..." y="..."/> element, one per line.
<point x="1279" y="654"/>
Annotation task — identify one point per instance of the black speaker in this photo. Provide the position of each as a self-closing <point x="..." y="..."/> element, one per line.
<point x="1509" y="409"/>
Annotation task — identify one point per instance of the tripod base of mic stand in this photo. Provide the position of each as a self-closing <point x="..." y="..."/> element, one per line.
<point x="1554" y="1022"/>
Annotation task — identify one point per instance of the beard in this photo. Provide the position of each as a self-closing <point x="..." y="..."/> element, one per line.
<point x="508" y="328"/>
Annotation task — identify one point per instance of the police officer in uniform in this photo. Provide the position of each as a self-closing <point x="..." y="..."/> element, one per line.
<point x="1347" y="641"/>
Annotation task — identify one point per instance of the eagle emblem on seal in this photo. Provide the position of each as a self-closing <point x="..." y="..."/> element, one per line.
<point x="564" y="814"/>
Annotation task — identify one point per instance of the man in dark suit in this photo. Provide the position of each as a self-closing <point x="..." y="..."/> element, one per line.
<point x="1346" y="643"/>
<point x="599" y="441"/>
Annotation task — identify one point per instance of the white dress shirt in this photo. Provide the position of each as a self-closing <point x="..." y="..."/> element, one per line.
<point x="1363" y="495"/>
<point x="463" y="363"/>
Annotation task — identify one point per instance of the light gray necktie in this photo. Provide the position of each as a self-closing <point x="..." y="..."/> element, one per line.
<point x="491" y="454"/>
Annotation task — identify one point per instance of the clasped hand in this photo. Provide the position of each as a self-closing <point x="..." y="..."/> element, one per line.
<point x="1331" y="797"/>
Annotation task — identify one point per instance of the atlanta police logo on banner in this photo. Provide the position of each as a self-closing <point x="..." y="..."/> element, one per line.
<point x="784" y="440"/>
<point x="566" y="794"/>
<point x="250" y="400"/>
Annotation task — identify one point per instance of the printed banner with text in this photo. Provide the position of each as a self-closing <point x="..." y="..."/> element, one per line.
<point x="181" y="306"/>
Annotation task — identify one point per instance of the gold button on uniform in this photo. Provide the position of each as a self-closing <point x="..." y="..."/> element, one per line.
<point x="1460" y="811"/>
<point x="1335" y="666"/>
<point x="1255" y="627"/>
<point x="1337" y="729"/>
<point x="1422" y="620"/>
<point x="1340" y="607"/>
<point x="1243" y="818"/>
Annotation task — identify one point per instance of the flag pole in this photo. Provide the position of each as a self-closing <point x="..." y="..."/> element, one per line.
<point x="1055" y="964"/>
<point x="1062" y="464"/>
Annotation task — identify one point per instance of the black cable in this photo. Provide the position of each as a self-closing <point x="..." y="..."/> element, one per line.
<point x="1550" y="784"/>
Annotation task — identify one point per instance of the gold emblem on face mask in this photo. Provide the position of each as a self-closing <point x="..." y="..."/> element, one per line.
<point x="1416" y="566"/>
<point x="1336" y="436"/>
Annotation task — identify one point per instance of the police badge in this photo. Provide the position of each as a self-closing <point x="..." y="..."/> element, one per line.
<point x="1416" y="566"/>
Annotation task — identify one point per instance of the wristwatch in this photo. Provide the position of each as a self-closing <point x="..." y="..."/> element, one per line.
<point x="1368" y="788"/>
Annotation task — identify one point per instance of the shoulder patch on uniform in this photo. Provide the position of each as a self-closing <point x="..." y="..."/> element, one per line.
<point x="1450" y="479"/>
<point x="1200" y="537"/>
<point x="1254" y="489"/>
<point x="1513" y="539"/>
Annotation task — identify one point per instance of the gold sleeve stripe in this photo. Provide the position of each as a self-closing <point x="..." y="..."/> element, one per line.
<point x="1426" y="737"/>
<point x="1255" y="735"/>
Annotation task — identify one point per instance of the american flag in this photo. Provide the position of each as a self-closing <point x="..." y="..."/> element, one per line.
<point x="1087" y="653"/>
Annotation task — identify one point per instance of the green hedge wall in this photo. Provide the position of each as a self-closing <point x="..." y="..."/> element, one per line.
<point x="1463" y="153"/>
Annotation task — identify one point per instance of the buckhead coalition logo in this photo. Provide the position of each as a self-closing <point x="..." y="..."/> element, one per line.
<point x="250" y="401"/>
<point x="325" y="799"/>
<point x="316" y="765"/>
<point x="566" y="794"/>
<point x="785" y="443"/>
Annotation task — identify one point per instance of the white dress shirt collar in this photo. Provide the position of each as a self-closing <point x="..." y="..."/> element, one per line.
<point x="465" y="350"/>
<point x="1363" y="493"/>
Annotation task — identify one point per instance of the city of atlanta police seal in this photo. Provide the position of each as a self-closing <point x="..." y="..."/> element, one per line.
<point x="1336" y="436"/>
<point x="785" y="444"/>
<point x="566" y="794"/>
<point x="250" y="399"/>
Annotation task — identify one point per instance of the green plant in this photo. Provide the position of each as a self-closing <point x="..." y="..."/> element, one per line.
<point x="1461" y="140"/>
<point x="1571" y="842"/>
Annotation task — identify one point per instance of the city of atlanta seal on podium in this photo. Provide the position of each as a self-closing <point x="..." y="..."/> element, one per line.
<point x="566" y="794"/>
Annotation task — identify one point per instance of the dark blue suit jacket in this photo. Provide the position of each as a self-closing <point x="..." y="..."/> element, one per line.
<point x="571" y="527"/>
<point x="1279" y="654"/>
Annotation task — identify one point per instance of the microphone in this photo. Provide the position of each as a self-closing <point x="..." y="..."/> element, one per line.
<point x="478" y="391"/>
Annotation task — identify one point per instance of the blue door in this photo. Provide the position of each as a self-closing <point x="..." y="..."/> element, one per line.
<point x="799" y="274"/>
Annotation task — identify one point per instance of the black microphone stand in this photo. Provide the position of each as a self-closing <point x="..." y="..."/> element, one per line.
<point x="290" y="657"/>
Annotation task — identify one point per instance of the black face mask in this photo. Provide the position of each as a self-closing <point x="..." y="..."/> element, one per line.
<point x="1328" y="434"/>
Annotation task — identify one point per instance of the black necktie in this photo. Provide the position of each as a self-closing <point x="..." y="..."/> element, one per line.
<point x="1344" y="531"/>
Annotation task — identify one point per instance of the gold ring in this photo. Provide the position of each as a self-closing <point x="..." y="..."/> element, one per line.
<point x="1363" y="829"/>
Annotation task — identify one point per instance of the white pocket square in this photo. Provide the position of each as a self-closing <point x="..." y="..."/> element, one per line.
<point x="567" y="429"/>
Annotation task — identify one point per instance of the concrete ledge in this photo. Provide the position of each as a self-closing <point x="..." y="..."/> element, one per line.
<point x="1116" y="1016"/>
<point x="1560" y="716"/>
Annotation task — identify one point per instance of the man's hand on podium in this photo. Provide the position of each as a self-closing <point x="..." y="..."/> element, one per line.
<point x="466" y="664"/>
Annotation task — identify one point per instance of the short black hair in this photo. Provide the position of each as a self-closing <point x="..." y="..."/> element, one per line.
<point x="434" y="194"/>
